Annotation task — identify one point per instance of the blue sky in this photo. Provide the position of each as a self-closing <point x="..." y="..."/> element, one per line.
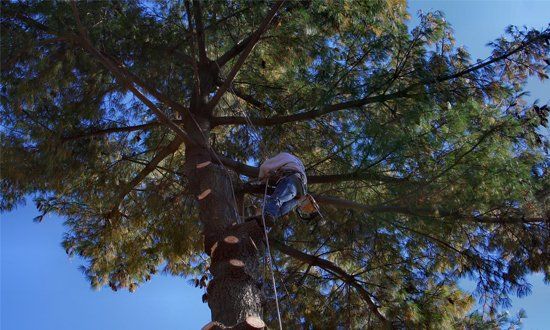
<point x="42" y="289"/>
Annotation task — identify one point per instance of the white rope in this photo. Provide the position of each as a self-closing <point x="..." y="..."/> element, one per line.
<point x="270" y="257"/>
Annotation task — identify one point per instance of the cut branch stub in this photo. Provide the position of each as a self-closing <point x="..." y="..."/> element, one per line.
<point x="231" y="240"/>
<point x="250" y="323"/>
<point x="254" y="322"/>
<point x="247" y="234"/>
<point x="233" y="268"/>
<point x="236" y="268"/>
<point x="204" y="164"/>
<point x="204" y="194"/>
<point x="236" y="263"/>
<point x="227" y="248"/>
<point x="253" y="244"/>
<point x="212" y="326"/>
<point x="230" y="244"/>
<point x="213" y="248"/>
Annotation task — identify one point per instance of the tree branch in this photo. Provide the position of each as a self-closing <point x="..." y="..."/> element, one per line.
<point x="29" y="21"/>
<point x="123" y="77"/>
<point x="109" y="130"/>
<point x="354" y="176"/>
<point x="197" y="13"/>
<point x="484" y="64"/>
<point x="253" y="172"/>
<point x="150" y="89"/>
<point x="150" y="167"/>
<point x="337" y="271"/>
<point x="118" y="72"/>
<point x="422" y="211"/>
<point x="246" y="97"/>
<point x="225" y="18"/>
<point x="244" y="55"/>
<point x="307" y="115"/>
<point x="236" y="50"/>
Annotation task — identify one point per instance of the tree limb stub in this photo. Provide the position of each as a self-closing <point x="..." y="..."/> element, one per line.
<point x="204" y="194"/>
<point x="250" y="323"/>
<point x="204" y="164"/>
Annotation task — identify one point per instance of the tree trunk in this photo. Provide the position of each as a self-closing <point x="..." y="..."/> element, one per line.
<point x="234" y="294"/>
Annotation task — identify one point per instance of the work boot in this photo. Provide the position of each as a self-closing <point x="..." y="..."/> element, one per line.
<point x="269" y="220"/>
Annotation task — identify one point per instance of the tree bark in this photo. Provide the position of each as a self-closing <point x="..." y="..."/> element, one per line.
<point x="235" y="292"/>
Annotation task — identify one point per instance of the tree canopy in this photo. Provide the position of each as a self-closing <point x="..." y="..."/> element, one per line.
<point x="427" y="164"/>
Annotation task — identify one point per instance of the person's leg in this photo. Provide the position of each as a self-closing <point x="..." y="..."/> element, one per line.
<point x="288" y="206"/>
<point x="282" y="198"/>
<point x="293" y="203"/>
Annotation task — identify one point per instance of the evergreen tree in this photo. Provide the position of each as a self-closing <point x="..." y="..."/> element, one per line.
<point x="139" y="122"/>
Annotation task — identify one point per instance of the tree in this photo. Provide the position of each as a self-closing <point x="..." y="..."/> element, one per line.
<point x="139" y="123"/>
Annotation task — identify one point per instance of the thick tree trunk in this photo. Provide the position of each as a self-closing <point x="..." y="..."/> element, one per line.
<point x="234" y="293"/>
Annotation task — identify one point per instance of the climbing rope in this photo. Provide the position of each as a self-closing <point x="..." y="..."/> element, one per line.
<point x="270" y="257"/>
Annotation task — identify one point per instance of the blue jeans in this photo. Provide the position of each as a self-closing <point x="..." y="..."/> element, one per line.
<point x="284" y="198"/>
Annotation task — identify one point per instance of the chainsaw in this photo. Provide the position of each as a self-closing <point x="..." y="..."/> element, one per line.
<point x="307" y="208"/>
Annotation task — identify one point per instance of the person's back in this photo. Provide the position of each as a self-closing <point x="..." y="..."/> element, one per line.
<point x="283" y="162"/>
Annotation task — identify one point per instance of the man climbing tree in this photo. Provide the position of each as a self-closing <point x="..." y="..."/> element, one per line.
<point x="140" y="122"/>
<point x="288" y="174"/>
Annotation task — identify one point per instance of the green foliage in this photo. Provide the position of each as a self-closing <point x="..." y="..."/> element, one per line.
<point x="456" y="144"/>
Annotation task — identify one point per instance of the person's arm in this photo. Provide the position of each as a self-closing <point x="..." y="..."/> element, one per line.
<point x="264" y="171"/>
<point x="268" y="168"/>
<point x="264" y="175"/>
<point x="261" y="176"/>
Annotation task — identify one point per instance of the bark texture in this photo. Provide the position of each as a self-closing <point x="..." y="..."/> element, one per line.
<point x="235" y="291"/>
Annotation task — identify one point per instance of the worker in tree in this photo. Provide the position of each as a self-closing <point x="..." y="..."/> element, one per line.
<point x="288" y="173"/>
